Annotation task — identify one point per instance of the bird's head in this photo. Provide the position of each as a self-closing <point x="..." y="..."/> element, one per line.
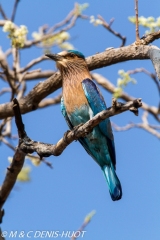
<point x="68" y="60"/>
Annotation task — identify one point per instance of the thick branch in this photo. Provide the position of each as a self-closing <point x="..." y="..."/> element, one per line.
<point x="11" y="176"/>
<point x="26" y="145"/>
<point x="17" y="162"/>
<point x="151" y="37"/>
<point x="44" y="150"/>
<point x="106" y="58"/>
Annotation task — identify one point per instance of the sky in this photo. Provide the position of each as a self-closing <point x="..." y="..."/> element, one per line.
<point x="58" y="199"/>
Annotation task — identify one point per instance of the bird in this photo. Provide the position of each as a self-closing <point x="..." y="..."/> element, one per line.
<point x="81" y="101"/>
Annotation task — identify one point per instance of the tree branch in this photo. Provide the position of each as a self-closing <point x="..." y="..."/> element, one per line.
<point x="11" y="176"/>
<point x="44" y="150"/>
<point x="106" y="58"/>
<point x="4" y="90"/>
<point x="2" y="22"/>
<point x="152" y="75"/>
<point x="3" y="13"/>
<point x="50" y="101"/>
<point x="108" y="27"/>
<point x="14" y="10"/>
<point x="32" y="75"/>
<point x="144" y="125"/>
<point x="83" y="226"/>
<point x="63" y="22"/>
<point x="26" y="145"/>
<point x="32" y="63"/>
<point x="111" y="88"/>
<point x="1" y="235"/>
<point x="137" y="26"/>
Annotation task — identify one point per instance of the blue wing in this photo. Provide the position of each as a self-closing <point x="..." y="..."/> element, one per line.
<point x="64" y="112"/>
<point x="97" y="104"/>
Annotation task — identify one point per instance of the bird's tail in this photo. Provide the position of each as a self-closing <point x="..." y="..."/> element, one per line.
<point x="114" y="184"/>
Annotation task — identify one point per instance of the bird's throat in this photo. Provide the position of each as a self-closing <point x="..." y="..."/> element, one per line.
<point x="73" y="93"/>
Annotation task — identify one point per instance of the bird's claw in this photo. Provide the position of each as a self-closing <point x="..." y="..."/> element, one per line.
<point x="76" y="129"/>
<point x="65" y="136"/>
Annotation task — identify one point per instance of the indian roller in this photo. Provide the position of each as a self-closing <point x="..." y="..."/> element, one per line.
<point x="80" y="102"/>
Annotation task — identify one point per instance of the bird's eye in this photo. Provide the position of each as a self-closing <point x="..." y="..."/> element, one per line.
<point x="72" y="55"/>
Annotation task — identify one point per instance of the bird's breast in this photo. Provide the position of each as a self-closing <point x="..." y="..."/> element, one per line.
<point x="74" y="97"/>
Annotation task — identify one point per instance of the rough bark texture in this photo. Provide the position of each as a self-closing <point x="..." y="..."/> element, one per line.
<point x="106" y="58"/>
<point x="26" y="145"/>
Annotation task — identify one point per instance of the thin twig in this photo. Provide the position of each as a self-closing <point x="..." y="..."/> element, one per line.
<point x="8" y="52"/>
<point x="8" y="144"/>
<point x="63" y="22"/>
<point x="7" y="131"/>
<point x="5" y="90"/>
<point x="137" y="26"/>
<point x="14" y="10"/>
<point x="147" y="128"/>
<point x="108" y="27"/>
<point x="35" y="74"/>
<point x="16" y="61"/>
<point x="152" y="75"/>
<point x="70" y="19"/>
<point x="50" y="101"/>
<point x="3" y="13"/>
<point x="32" y="63"/>
<point x="2" y="125"/>
<point x="22" y="90"/>
<point x="111" y="88"/>
<point x="80" y="231"/>
<point x="6" y="70"/>
<point x="144" y="125"/>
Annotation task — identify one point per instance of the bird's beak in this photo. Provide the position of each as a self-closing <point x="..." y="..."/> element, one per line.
<point x="55" y="57"/>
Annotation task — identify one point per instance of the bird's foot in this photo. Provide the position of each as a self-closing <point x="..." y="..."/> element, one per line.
<point x="76" y="129"/>
<point x="65" y="136"/>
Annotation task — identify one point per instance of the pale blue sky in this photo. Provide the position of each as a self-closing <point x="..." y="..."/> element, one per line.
<point x="59" y="199"/>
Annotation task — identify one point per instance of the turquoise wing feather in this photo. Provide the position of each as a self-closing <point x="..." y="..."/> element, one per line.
<point x="97" y="104"/>
<point x="81" y="140"/>
<point x="64" y="112"/>
<point x="95" y="142"/>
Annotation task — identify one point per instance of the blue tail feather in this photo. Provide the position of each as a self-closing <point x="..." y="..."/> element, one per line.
<point x="114" y="185"/>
